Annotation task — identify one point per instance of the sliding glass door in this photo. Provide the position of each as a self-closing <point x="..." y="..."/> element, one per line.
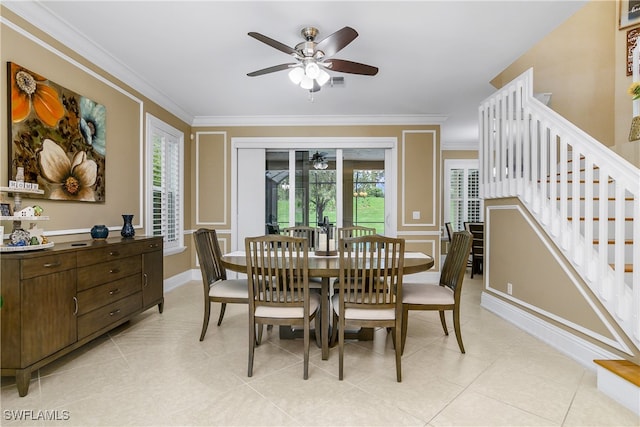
<point x="306" y="184"/>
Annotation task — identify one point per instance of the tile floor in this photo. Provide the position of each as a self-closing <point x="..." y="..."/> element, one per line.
<point x="154" y="372"/>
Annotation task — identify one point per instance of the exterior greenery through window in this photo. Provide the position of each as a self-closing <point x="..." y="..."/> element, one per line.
<point x="368" y="199"/>
<point x="165" y="163"/>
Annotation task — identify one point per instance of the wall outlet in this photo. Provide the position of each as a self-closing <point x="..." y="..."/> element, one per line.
<point x="416" y="214"/>
<point x="509" y="288"/>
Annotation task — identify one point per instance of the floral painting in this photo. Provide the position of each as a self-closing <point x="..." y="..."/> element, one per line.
<point x="57" y="136"/>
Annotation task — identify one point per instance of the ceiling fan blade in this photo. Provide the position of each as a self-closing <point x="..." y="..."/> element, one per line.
<point x="271" y="69"/>
<point x="273" y="43"/>
<point x="345" y="66"/>
<point x="336" y="41"/>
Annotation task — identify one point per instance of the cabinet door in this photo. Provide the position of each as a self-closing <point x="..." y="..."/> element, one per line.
<point x="48" y="315"/>
<point x="152" y="291"/>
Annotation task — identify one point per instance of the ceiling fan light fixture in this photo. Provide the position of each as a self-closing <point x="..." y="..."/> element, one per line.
<point x="306" y="82"/>
<point x="323" y="77"/>
<point x="296" y="75"/>
<point x="312" y="70"/>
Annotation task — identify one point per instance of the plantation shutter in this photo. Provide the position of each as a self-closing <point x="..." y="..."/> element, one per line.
<point x="462" y="193"/>
<point x="166" y="200"/>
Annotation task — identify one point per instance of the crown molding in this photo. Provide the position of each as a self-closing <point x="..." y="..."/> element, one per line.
<point x="37" y="14"/>
<point x="318" y="120"/>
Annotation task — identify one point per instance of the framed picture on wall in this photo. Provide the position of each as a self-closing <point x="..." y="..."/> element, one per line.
<point x="629" y="13"/>
<point x="57" y="136"/>
<point x="632" y="40"/>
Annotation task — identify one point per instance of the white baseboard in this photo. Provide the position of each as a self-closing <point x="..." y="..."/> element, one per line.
<point x="179" y="280"/>
<point x="582" y="351"/>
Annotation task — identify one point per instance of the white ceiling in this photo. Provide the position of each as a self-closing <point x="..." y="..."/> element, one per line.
<point x="436" y="58"/>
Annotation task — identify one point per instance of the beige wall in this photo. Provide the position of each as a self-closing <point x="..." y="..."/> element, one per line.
<point x="124" y="163"/>
<point x="577" y="63"/>
<point x="543" y="282"/>
<point x="418" y="177"/>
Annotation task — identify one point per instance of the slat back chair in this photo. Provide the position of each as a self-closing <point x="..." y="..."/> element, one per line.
<point x="355" y="231"/>
<point x="349" y="232"/>
<point x="445" y="295"/>
<point x="278" y="275"/>
<point x="217" y="288"/>
<point x="308" y="233"/>
<point x="477" y="246"/>
<point x="372" y="268"/>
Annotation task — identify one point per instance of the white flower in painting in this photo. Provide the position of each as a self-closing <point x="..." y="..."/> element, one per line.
<point x="73" y="178"/>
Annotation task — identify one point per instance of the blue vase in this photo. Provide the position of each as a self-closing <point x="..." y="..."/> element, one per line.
<point x="99" y="231"/>
<point x="127" y="228"/>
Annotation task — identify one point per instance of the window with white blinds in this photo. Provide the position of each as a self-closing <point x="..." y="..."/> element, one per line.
<point x="462" y="200"/>
<point x="165" y="183"/>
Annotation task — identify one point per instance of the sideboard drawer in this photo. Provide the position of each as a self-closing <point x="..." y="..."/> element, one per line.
<point x="104" y="316"/>
<point x="98" y="274"/>
<point x="107" y="253"/>
<point x="107" y="293"/>
<point x="38" y="266"/>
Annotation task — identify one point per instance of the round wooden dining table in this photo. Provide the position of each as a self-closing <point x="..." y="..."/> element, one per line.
<point x="326" y="267"/>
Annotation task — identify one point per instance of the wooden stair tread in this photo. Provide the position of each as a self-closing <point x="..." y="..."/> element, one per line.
<point x="622" y="368"/>
<point x="570" y="218"/>
<point x="611" y="199"/>
<point x="628" y="268"/>
<point x="612" y="241"/>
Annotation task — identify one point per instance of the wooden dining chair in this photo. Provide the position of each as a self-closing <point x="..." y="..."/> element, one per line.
<point x="477" y="246"/>
<point x="355" y="231"/>
<point x="217" y="288"/>
<point x="279" y="288"/>
<point x="444" y="295"/>
<point x="366" y="260"/>
<point x="307" y="232"/>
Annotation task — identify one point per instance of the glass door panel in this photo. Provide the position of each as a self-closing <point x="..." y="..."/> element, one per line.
<point x="276" y="191"/>
<point x="364" y="188"/>
<point x="316" y="186"/>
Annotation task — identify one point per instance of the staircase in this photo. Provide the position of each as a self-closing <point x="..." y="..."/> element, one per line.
<point x="585" y="197"/>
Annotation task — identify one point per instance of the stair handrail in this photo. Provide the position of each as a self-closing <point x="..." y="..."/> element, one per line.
<point x="523" y="146"/>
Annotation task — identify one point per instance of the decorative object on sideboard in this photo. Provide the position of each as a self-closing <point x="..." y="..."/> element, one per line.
<point x="127" y="227"/>
<point x="99" y="231"/>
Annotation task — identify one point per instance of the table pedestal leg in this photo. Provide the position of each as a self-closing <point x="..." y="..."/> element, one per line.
<point x="324" y="319"/>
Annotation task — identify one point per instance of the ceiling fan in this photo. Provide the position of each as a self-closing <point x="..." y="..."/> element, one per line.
<point x="314" y="57"/>
<point x="319" y="160"/>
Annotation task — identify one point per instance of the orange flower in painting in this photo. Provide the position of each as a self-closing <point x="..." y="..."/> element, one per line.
<point x="28" y="91"/>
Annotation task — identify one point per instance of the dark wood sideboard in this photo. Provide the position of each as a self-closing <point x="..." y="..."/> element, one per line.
<point x="58" y="299"/>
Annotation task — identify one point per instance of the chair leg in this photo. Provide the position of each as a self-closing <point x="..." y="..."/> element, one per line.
<point x="397" y="332"/>
<point x="260" y="327"/>
<point x="341" y="349"/>
<point x="405" y="322"/>
<point x="207" y="314"/>
<point x="444" y="322"/>
<point x="456" y="327"/>
<point x="252" y="344"/>
<point x="334" y="330"/>
<point x="223" y="307"/>
<point x="319" y="327"/>
<point x="307" y="332"/>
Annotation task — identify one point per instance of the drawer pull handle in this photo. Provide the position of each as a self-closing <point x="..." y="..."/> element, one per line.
<point x="113" y="292"/>
<point x="113" y="313"/>
<point x="146" y="280"/>
<point x="52" y="264"/>
<point x="75" y="302"/>
<point x="114" y="253"/>
<point x="114" y="271"/>
<point x="154" y="245"/>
